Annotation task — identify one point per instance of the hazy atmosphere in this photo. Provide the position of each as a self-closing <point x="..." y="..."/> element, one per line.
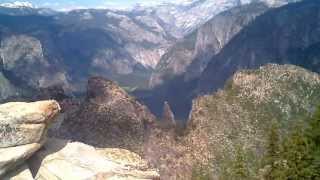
<point x="160" y="90"/>
<point x="83" y="4"/>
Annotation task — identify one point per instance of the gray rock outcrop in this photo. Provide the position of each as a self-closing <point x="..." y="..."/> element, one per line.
<point x="108" y="117"/>
<point x="26" y="154"/>
<point x="23" y="128"/>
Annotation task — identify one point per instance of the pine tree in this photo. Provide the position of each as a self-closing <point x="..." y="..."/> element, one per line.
<point x="272" y="159"/>
<point x="301" y="151"/>
<point x="240" y="167"/>
<point x="297" y="155"/>
<point x="313" y="135"/>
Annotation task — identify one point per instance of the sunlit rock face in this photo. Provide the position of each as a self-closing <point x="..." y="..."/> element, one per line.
<point x="23" y="128"/>
<point x="23" y="56"/>
<point x="73" y="160"/>
<point x="26" y="153"/>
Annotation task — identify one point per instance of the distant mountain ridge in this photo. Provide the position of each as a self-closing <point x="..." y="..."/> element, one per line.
<point x="287" y="35"/>
<point x="190" y="55"/>
<point x="42" y="48"/>
<point x="17" y="4"/>
<point x="208" y="25"/>
<point x="178" y="18"/>
<point x="22" y="8"/>
<point x="186" y="17"/>
<point x="284" y="35"/>
<point x="67" y="48"/>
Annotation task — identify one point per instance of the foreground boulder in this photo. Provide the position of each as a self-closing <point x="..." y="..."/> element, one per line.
<point x="23" y="137"/>
<point x="60" y="159"/>
<point x="23" y="128"/>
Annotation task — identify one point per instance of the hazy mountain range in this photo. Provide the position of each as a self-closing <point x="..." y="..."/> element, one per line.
<point x="199" y="89"/>
<point x="276" y="36"/>
<point x="142" y="47"/>
<point x="125" y="46"/>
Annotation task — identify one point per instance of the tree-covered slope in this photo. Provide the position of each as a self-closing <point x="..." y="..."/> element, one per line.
<point x="242" y="114"/>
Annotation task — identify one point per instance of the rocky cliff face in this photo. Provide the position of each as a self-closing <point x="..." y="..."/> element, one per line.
<point x="141" y="36"/>
<point x="275" y="37"/>
<point x="175" y="77"/>
<point x="191" y="54"/>
<point x="217" y="33"/>
<point x="240" y="115"/>
<point x="23" y="58"/>
<point x="108" y="117"/>
<point x="167" y="116"/>
<point x="41" y="51"/>
<point x="7" y="88"/>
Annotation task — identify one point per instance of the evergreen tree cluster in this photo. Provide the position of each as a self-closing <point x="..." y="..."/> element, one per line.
<point x="297" y="156"/>
<point x="293" y="157"/>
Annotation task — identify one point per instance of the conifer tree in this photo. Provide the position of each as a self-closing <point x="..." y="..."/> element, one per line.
<point x="313" y="135"/>
<point x="297" y="156"/>
<point x="240" y="167"/>
<point x="272" y="158"/>
<point x="300" y="155"/>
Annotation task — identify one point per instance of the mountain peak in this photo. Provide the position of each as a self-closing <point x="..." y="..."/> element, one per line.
<point x="18" y="4"/>
<point x="105" y="90"/>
